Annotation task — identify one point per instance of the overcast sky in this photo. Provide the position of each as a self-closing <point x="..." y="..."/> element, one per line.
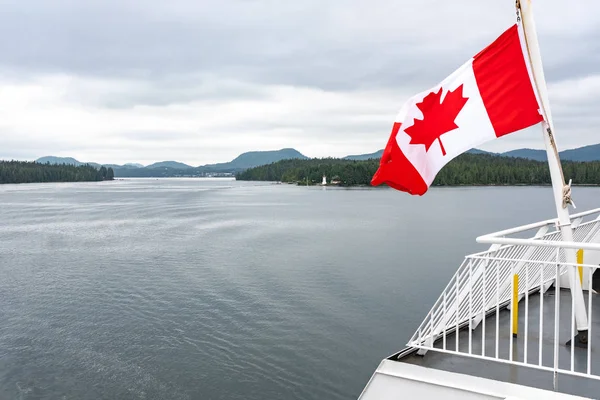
<point x="200" y="81"/>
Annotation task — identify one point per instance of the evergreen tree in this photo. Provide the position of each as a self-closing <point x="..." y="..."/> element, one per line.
<point x="29" y="172"/>
<point x="102" y="173"/>
<point x="466" y="169"/>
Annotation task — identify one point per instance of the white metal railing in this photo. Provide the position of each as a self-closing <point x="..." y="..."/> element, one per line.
<point x="551" y="240"/>
<point x="485" y="285"/>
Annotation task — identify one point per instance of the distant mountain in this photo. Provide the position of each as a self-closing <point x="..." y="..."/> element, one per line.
<point x="116" y="166"/>
<point x="377" y="154"/>
<point x="73" y="161"/>
<point x="169" y="164"/>
<point x="242" y="162"/>
<point x="255" y="158"/>
<point x="530" y="154"/>
<point x="64" y="160"/>
<point x="477" y="151"/>
<point x="586" y="153"/>
<point x="175" y="168"/>
<point x="58" y="160"/>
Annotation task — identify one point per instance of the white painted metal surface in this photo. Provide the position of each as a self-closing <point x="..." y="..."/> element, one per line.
<point x="396" y="381"/>
<point x="484" y="284"/>
<point x="587" y="238"/>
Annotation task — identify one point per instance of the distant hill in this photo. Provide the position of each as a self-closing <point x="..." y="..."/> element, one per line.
<point x="477" y="151"/>
<point x="240" y="163"/>
<point x="530" y="154"/>
<point x="116" y="166"/>
<point x="586" y="153"/>
<point x="169" y="164"/>
<point x="65" y="160"/>
<point x="258" y="158"/>
<point x="72" y="161"/>
<point x="255" y="158"/>
<point x="368" y="156"/>
<point x="379" y="153"/>
<point x="59" y="160"/>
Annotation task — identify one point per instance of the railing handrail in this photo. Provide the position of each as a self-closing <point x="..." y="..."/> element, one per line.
<point x="500" y="238"/>
<point x="528" y="227"/>
<point x="539" y="243"/>
<point x="562" y="263"/>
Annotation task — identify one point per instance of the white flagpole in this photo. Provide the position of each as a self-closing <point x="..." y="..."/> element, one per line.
<point x="562" y="193"/>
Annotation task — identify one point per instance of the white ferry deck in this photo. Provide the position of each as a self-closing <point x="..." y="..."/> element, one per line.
<point x="504" y="351"/>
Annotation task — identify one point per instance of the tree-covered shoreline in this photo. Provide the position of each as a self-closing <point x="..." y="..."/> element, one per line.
<point x="33" y="172"/>
<point x="465" y="170"/>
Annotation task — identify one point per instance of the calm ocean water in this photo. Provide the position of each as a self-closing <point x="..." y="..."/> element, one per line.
<point x="216" y="289"/>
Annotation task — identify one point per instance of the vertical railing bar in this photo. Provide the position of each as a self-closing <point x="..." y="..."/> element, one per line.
<point x="431" y="330"/>
<point x="470" y="307"/>
<point x="445" y="324"/>
<point x="541" y="333"/>
<point x="483" y="306"/>
<point x="556" y="314"/>
<point x="502" y="266"/>
<point x="589" y="343"/>
<point x="512" y="311"/>
<point x="574" y="275"/>
<point x="435" y="306"/>
<point x="526" y="311"/>
<point x="497" y="307"/>
<point x="456" y="302"/>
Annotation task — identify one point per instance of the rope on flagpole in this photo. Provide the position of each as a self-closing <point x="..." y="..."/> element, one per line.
<point x="567" y="195"/>
<point x="566" y="190"/>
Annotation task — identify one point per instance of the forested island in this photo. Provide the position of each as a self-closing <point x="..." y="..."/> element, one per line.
<point x="466" y="169"/>
<point x="32" y="172"/>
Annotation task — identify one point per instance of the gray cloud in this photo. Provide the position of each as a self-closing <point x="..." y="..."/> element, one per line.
<point x="332" y="45"/>
<point x="133" y="61"/>
<point x="161" y="91"/>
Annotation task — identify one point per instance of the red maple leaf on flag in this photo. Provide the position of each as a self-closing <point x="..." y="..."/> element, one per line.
<point x="438" y="117"/>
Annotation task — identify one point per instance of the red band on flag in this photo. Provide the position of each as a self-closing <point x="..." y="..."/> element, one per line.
<point x="396" y="171"/>
<point x="504" y="84"/>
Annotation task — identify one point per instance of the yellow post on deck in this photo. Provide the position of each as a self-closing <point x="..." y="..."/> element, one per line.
<point x="580" y="261"/>
<point x="515" y="306"/>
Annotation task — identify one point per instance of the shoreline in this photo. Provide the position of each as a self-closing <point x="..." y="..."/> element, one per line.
<point x="319" y="185"/>
<point x="433" y="186"/>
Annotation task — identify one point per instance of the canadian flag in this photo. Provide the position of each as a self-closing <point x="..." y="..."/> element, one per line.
<point x="489" y="96"/>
